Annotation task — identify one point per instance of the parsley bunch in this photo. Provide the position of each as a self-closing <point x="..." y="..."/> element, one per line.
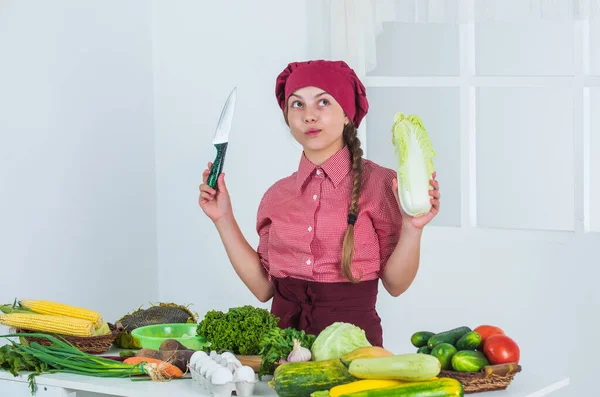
<point x="277" y="344"/>
<point x="15" y="361"/>
<point x="239" y="331"/>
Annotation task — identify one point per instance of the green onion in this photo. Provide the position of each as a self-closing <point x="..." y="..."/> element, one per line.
<point x="62" y="356"/>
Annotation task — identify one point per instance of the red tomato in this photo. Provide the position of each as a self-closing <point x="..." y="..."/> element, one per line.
<point x="488" y="330"/>
<point x="500" y="349"/>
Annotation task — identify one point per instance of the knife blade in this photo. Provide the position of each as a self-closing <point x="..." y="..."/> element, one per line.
<point x="221" y="138"/>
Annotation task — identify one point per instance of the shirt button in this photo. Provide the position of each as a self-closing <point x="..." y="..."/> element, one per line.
<point x="315" y="197"/>
<point x="318" y="172"/>
<point x="308" y="262"/>
<point x="310" y="228"/>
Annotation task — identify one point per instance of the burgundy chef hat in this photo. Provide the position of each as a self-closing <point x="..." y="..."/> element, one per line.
<point x="335" y="77"/>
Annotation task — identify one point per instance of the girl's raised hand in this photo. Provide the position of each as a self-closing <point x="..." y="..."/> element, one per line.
<point x="421" y="221"/>
<point x="216" y="204"/>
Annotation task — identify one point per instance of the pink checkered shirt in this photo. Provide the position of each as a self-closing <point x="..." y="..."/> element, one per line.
<point x="302" y="220"/>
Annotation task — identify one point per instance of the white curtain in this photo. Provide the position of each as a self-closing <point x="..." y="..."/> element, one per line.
<point x="352" y="26"/>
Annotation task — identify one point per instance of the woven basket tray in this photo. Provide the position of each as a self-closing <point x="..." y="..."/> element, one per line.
<point x="92" y="344"/>
<point x="491" y="377"/>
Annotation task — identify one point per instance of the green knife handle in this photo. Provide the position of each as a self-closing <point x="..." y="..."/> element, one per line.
<point x="217" y="165"/>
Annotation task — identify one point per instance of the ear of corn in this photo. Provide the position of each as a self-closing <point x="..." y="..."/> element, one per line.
<point x="48" y="323"/>
<point x="103" y="330"/>
<point x="61" y="309"/>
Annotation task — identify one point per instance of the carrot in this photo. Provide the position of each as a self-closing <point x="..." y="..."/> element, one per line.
<point x="157" y="368"/>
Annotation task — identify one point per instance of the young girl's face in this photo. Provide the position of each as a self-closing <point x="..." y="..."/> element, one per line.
<point x="317" y="121"/>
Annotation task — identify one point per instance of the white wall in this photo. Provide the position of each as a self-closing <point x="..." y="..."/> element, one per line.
<point x="200" y="53"/>
<point x="77" y="184"/>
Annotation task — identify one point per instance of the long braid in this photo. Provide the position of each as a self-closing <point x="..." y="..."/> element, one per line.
<point x="353" y="143"/>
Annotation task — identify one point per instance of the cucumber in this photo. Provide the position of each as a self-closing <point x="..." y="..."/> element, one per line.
<point x="408" y="367"/>
<point x="444" y="353"/>
<point x="451" y="336"/>
<point x="469" y="341"/>
<point x="469" y="361"/>
<point x="424" y="350"/>
<point x="419" y="339"/>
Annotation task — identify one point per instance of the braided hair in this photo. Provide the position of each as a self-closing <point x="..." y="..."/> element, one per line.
<point x="351" y="140"/>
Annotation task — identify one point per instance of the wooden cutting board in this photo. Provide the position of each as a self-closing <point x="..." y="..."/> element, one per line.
<point x="251" y="361"/>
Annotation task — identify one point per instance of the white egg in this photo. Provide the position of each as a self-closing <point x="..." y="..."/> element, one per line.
<point x="196" y="358"/>
<point x="244" y="373"/>
<point x="201" y="361"/>
<point x="233" y="364"/>
<point x="220" y="376"/>
<point x="227" y="355"/>
<point x="206" y="365"/>
<point x="211" y="371"/>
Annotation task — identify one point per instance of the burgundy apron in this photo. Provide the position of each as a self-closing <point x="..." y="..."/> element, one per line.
<point x="312" y="306"/>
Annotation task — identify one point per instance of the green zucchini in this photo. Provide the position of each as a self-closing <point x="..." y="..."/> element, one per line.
<point x="300" y="379"/>
<point x="424" y="350"/>
<point x="419" y="339"/>
<point x="450" y="336"/>
<point x="444" y="353"/>
<point x="469" y="341"/>
<point x="408" y="367"/>
<point x="442" y="387"/>
<point x="469" y="361"/>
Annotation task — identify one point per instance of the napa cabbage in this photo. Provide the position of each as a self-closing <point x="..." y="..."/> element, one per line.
<point x="415" y="153"/>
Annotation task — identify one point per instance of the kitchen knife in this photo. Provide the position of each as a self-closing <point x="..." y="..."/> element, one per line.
<point x="221" y="138"/>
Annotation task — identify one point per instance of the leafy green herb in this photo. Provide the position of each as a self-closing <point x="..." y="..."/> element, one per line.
<point x="15" y="361"/>
<point x="239" y="331"/>
<point x="277" y="344"/>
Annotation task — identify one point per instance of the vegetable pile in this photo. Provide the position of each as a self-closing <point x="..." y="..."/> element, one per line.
<point x="344" y="364"/>
<point x="464" y="350"/>
<point x="338" y="362"/>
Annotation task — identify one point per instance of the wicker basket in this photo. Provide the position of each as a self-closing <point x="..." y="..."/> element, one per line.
<point x="92" y="344"/>
<point x="492" y="377"/>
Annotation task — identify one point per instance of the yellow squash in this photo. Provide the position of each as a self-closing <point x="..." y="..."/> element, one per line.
<point x="366" y="352"/>
<point x="362" y="385"/>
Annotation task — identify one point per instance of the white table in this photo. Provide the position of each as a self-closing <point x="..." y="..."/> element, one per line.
<point x="67" y="385"/>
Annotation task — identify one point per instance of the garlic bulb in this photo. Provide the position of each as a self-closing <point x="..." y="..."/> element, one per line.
<point x="299" y="353"/>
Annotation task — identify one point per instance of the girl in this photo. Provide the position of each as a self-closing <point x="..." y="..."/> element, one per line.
<point x="333" y="228"/>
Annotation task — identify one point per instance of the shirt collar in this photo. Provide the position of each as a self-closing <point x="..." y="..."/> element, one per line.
<point x="336" y="168"/>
